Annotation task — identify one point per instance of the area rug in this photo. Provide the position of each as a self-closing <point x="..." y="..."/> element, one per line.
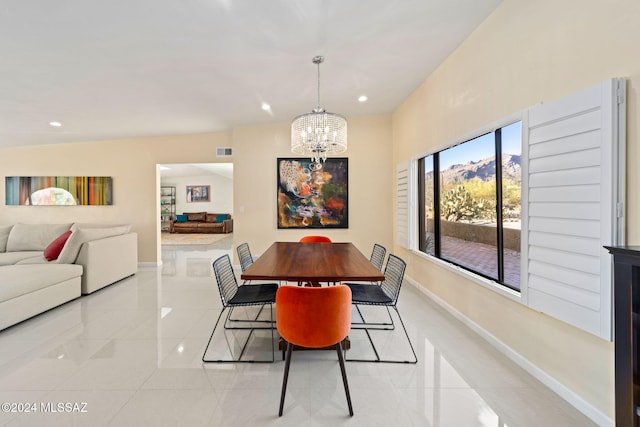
<point x="176" y="239"/>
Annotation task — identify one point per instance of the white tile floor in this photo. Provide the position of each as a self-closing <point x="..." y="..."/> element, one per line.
<point x="132" y="353"/>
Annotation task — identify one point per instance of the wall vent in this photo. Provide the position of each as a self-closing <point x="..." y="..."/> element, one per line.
<point x="224" y="152"/>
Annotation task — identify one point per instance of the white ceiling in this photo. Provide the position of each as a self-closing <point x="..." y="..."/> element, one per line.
<point x="118" y="69"/>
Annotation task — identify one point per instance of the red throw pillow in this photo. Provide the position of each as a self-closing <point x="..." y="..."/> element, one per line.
<point x="55" y="247"/>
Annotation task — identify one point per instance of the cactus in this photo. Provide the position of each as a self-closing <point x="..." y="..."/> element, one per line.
<point x="458" y="205"/>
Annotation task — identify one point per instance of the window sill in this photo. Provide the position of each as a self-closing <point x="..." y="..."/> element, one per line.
<point x="482" y="281"/>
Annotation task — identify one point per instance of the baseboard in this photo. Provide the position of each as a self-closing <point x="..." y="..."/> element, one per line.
<point x="560" y="389"/>
<point x="149" y="264"/>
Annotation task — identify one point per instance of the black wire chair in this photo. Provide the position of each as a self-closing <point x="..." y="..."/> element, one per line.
<point x="246" y="260"/>
<point x="244" y="253"/>
<point x="377" y="259"/>
<point x="233" y="296"/>
<point x="384" y="294"/>
<point x="377" y="256"/>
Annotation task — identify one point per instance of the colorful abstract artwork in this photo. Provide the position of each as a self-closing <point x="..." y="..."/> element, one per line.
<point x="313" y="198"/>
<point x="58" y="190"/>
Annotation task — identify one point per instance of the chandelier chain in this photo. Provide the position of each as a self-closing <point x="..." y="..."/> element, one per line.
<point x="319" y="86"/>
<point x="318" y="60"/>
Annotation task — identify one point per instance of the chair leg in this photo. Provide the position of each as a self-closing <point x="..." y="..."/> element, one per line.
<point x="244" y="347"/>
<point x="287" y="363"/>
<point x="377" y="356"/>
<point x="415" y="358"/>
<point x="211" y="337"/>
<point x="367" y="325"/>
<point x="255" y="320"/>
<point x="273" y="346"/>
<point x="240" y="321"/>
<point x="344" y="376"/>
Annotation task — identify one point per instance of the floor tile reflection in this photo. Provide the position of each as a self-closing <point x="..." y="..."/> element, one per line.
<point x="132" y="352"/>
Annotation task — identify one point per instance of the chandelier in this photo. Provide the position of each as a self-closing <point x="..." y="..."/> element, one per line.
<point x="318" y="134"/>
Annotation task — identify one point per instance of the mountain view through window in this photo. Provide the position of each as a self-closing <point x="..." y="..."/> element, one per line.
<point x="476" y="202"/>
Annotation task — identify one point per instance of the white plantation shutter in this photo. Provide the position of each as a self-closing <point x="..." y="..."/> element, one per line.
<point x="403" y="210"/>
<point x="573" y="193"/>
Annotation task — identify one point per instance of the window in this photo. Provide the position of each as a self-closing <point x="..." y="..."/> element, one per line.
<point x="470" y="205"/>
<point x="537" y="224"/>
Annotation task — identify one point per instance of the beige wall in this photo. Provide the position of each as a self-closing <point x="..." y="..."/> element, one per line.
<point x="220" y="187"/>
<point x="256" y="149"/>
<point x="526" y="53"/>
<point x="132" y="164"/>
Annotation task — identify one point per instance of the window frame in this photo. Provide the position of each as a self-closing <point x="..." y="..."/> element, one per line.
<point x="476" y="277"/>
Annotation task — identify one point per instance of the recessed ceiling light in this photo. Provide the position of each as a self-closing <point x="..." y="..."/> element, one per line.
<point x="266" y="107"/>
<point x="55" y="124"/>
<point x="362" y="98"/>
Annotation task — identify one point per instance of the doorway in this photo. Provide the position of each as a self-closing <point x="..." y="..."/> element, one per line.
<point x="212" y="181"/>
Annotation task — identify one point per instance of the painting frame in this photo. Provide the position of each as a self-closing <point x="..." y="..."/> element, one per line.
<point x="198" y="193"/>
<point x="312" y="199"/>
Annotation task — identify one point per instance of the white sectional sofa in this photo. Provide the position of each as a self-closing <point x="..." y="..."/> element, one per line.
<point x="92" y="257"/>
<point x="27" y="290"/>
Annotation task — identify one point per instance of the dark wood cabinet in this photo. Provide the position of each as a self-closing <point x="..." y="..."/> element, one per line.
<point x="626" y="300"/>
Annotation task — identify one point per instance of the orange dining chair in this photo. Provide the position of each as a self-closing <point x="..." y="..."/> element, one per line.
<point x="320" y="239"/>
<point x="314" y="239"/>
<point x="313" y="318"/>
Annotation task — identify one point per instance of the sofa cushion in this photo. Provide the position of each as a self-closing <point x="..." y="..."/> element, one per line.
<point x="124" y="228"/>
<point x="33" y="237"/>
<point x="181" y="218"/>
<point x="211" y="218"/>
<point x="52" y="251"/>
<point x="4" y="235"/>
<point x="10" y="258"/>
<point x="195" y="216"/>
<point x="210" y="225"/>
<point x="39" y="259"/>
<point x="186" y="224"/>
<point x="19" y="280"/>
<point x="78" y="237"/>
<point x="221" y="217"/>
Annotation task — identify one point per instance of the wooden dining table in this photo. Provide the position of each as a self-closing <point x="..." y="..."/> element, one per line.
<point x="313" y="262"/>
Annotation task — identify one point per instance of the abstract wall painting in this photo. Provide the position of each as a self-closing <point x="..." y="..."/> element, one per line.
<point x="198" y="193"/>
<point x="58" y="190"/>
<point x="313" y="198"/>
